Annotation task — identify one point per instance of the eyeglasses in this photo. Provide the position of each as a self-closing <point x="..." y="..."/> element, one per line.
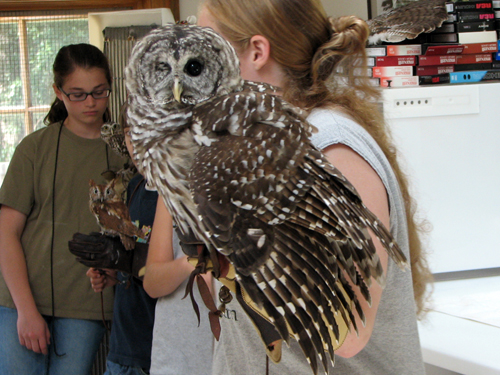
<point x="81" y="96"/>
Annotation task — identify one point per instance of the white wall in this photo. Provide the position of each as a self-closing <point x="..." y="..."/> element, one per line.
<point x="332" y="7"/>
<point x="188" y="8"/>
<point x="338" y="8"/>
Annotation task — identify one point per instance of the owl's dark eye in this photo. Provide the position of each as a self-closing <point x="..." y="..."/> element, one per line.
<point x="163" y="67"/>
<point x="193" y="68"/>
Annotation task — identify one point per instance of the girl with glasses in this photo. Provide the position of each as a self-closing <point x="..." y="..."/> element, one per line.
<point x="50" y="319"/>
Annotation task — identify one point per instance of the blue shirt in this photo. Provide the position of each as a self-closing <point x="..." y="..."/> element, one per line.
<point x="134" y="311"/>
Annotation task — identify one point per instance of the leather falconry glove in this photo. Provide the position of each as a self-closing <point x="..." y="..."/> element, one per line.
<point x="97" y="250"/>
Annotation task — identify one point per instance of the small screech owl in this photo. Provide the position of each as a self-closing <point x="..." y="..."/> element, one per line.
<point x="112" y="134"/>
<point x="112" y="213"/>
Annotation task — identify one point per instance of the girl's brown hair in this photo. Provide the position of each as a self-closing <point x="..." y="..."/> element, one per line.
<point x="68" y="58"/>
<point x="319" y="55"/>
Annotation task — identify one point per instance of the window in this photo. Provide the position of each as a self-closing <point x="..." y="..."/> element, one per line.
<point x="28" y="46"/>
<point x="29" y="41"/>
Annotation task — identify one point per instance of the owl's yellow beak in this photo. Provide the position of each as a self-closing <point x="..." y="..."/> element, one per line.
<point x="177" y="90"/>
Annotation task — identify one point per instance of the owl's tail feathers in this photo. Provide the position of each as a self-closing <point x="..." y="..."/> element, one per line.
<point x="129" y="229"/>
<point x="127" y="241"/>
<point x="128" y="234"/>
<point x="266" y="330"/>
<point x="301" y="291"/>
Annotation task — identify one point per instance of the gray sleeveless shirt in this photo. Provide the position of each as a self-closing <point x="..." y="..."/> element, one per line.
<point x="394" y="347"/>
<point x="180" y="346"/>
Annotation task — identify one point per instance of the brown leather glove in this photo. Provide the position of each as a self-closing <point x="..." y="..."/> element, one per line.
<point x="97" y="250"/>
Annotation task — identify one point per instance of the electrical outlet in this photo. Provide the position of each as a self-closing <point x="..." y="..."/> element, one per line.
<point x="427" y="101"/>
<point x="413" y="102"/>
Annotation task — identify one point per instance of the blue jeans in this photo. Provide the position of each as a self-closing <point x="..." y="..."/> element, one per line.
<point x="77" y="342"/>
<point x="113" y="368"/>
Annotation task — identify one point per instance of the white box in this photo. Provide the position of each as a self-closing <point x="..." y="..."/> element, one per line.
<point x="477" y="37"/>
<point x="138" y="17"/>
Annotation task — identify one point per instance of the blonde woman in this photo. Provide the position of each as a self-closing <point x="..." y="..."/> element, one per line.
<point x="295" y="46"/>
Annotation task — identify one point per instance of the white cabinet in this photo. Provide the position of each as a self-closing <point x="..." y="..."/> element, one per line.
<point x="451" y="149"/>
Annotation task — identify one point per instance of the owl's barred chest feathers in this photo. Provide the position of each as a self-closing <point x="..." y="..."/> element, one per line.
<point x="167" y="163"/>
<point x="266" y="141"/>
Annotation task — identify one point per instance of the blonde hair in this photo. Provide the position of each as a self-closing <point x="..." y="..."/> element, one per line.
<point x="318" y="55"/>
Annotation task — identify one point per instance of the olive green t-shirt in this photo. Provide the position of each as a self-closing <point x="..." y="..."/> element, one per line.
<point x="28" y="188"/>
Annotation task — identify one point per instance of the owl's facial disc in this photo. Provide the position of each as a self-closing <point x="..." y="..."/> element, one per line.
<point x="178" y="66"/>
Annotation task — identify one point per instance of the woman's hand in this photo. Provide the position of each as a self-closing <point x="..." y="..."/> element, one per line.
<point x="31" y="327"/>
<point x="33" y="331"/>
<point x="101" y="278"/>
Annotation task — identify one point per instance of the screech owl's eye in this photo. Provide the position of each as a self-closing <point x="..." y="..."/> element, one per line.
<point x="193" y="68"/>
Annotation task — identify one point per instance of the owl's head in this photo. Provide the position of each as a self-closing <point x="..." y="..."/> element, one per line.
<point x="110" y="128"/>
<point x="182" y="65"/>
<point x="95" y="192"/>
<point x="101" y="193"/>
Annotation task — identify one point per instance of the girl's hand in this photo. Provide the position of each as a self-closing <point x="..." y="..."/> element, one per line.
<point x="33" y="331"/>
<point x="101" y="278"/>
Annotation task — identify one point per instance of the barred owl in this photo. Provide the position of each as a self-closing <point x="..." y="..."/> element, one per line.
<point x="236" y="169"/>
<point x="112" y="213"/>
<point x="407" y="22"/>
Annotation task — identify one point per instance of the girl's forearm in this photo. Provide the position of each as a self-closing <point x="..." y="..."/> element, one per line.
<point x="162" y="278"/>
<point x="13" y="260"/>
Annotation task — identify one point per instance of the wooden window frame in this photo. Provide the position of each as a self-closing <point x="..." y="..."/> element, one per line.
<point x="17" y="5"/>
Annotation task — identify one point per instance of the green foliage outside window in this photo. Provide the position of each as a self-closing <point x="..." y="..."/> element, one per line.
<point x="45" y="38"/>
<point x="12" y="131"/>
<point x="10" y="73"/>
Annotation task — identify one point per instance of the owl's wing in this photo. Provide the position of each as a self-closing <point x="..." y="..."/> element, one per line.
<point x="288" y="221"/>
<point x="407" y="22"/>
<point x="114" y="216"/>
<point x="261" y="87"/>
